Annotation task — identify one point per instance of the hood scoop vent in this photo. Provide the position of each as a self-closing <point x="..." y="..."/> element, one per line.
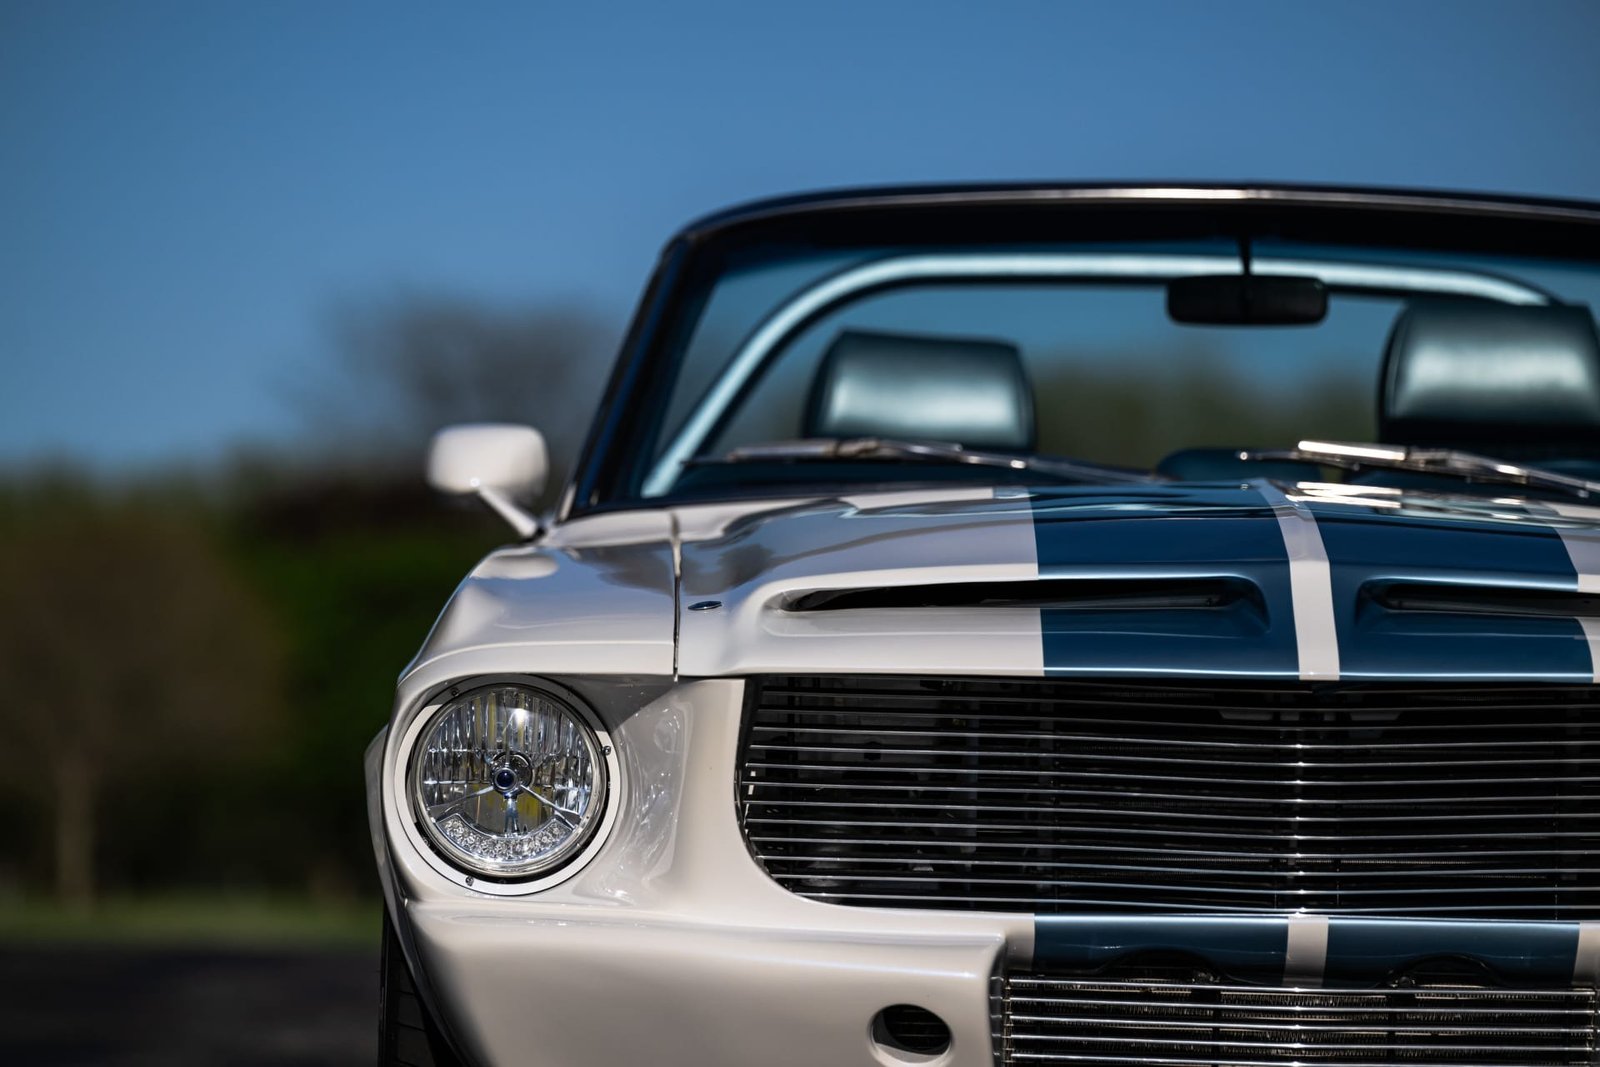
<point x="1141" y="594"/>
<point x="1486" y="600"/>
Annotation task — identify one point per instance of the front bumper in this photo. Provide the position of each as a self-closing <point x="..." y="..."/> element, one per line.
<point x="558" y="991"/>
<point x="671" y="946"/>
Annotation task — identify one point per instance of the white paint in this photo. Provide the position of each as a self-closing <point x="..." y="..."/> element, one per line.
<point x="1305" y="956"/>
<point x="1579" y="529"/>
<point x="756" y="570"/>
<point x="1591" y="634"/>
<point x="503" y="463"/>
<point x="1581" y="536"/>
<point x="1310" y="587"/>
<point x="594" y="610"/>
<point x="1586" y="961"/>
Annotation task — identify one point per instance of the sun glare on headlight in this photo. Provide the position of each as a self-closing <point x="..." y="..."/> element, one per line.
<point x="508" y="781"/>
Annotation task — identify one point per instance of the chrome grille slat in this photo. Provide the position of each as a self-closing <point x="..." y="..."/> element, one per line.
<point x="1279" y="995"/>
<point x="1175" y="743"/>
<point x="1071" y="903"/>
<point x="1092" y="1020"/>
<point x="1050" y="795"/>
<point x="1296" y="819"/>
<point x="1129" y="831"/>
<point x="1151" y="1060"/>
<point x="1296" y="1046"/>
<point x="1289" y="893"/>
<point x="1137" y="851"/>
<point x="1152" y="869"/>
<point x="1297" y="1026"/>
<point x="1109" y="776"/>
<point x="1218" y="798"/>
<point x="1177" y="694"/>
<point x="1095" y="756"/>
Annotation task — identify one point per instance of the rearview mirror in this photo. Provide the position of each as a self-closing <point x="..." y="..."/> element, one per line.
<point x="1247" y="300"/>
<point x="503" y="463"/>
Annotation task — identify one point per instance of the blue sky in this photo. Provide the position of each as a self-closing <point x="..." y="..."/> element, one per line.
<point x="186" y="187"/>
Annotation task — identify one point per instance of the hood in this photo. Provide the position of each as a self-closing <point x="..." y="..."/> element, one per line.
<point x="1261" y="579"/>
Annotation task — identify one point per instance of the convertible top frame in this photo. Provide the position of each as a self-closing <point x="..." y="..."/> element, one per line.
<point x="997" y="214"/>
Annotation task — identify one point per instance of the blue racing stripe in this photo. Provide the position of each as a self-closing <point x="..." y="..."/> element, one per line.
<point x="1157" y="533"/>
<point x="1366" y="549"/>
<point x="1360" y="952"/>
<point x="1369" y="950"/>
<point x="1246" y="946"/>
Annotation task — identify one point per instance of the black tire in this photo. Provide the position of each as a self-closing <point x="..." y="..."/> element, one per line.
<point x="407" y="1033"/>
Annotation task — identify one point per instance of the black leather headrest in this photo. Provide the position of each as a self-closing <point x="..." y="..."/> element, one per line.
<point x="1469" y="375"/>
<point x="971" y="392"/>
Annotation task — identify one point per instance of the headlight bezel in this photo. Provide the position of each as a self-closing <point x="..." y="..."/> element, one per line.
<point x="459" y="869"/>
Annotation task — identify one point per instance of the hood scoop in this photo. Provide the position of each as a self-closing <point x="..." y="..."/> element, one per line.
<point x="1065" y="594"/>
<point x="1442" y="598"/>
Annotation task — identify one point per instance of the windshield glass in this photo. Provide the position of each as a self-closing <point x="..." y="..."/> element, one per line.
<point x="1069" y="350"/>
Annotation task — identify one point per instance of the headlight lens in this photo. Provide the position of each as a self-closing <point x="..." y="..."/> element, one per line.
<point x="508" y="781"/>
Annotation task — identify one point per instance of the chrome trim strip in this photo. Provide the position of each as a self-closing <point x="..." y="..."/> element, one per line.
<point x="1310" y="587"/>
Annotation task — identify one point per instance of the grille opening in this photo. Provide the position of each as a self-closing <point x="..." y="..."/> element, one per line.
<point x="1174" y="1020"/>
<point x="1042" y="795"/>
<point x="909" y="1028"/>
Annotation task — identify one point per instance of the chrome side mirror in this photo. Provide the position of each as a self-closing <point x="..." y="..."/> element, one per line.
<point x="503" y="463"/>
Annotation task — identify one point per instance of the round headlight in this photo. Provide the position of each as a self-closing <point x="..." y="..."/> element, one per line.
<point x="508" y="781"/>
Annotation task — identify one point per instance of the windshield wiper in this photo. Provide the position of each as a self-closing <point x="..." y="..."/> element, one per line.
<point x="855" y="449"/>
<point x="1447" y="462"/>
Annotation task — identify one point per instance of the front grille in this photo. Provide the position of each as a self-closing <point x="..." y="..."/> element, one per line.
<point x="1047" y="796"/>
<point x="1088" y="1022"/>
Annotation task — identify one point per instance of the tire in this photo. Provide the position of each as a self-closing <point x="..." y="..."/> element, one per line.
<point x="408" y="1036"/>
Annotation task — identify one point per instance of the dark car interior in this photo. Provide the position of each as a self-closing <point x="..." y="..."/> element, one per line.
<point x="1514" y="382"/>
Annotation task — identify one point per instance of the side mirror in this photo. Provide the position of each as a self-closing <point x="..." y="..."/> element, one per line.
<point x="503" y="463"/>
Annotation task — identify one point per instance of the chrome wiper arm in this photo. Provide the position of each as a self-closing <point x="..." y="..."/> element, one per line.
<point x="1448" y="462"/>
<point x="826" y="449"/>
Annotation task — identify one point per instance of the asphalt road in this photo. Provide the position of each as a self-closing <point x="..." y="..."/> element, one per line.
<point x="125" y="1006"/>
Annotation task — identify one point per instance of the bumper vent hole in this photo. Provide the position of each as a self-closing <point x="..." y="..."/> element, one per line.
<point x="907" y="1029"/>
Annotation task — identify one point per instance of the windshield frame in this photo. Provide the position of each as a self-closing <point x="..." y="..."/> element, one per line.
<point x="617" y="455"/>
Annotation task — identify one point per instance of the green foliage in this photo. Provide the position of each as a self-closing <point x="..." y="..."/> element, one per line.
<point x="196" y="919"/>
<point x="205" y="675"/>
<point x="130" y="653"/>
<point x="1135" y="411"/>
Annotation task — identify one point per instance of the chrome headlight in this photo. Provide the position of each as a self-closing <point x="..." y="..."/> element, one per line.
<point x="508" y="781"/>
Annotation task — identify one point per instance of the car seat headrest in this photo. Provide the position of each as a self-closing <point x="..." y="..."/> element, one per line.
<point x="971" y="392"/>
<point x="1461" y="374"/>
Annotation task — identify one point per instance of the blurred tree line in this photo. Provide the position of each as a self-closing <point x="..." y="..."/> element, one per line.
<point x="1132" y="408"/>
<point x="193" y="665"/>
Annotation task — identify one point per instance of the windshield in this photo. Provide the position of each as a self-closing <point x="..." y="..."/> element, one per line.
<point x="1072" y="351"/>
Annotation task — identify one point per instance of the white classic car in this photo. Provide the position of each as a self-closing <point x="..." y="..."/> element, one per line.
<point x="970" y="638"/>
